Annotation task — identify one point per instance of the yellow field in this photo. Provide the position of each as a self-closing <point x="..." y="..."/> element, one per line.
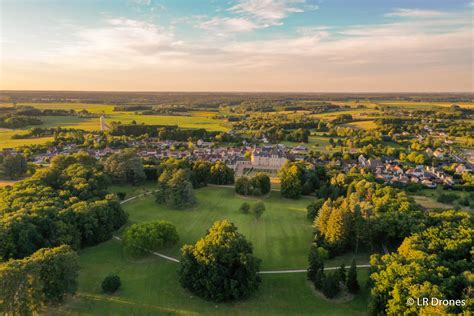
<point x="93" y="108"/>
<point x="367" y="125"/>
<point x="356" y="113"/>
<point x="4" y="183"/>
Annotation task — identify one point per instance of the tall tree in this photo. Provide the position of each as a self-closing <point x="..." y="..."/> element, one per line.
<point x="351" y="283"/>
<point x="221" y="265"/>
<point x="125" y="167"/>
<point x="13" y="167"/>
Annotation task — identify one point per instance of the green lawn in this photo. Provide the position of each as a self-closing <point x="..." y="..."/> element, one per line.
<point x="281" y="238"/>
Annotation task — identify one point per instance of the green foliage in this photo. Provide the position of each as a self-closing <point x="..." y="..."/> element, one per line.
<point x="352" y="283"/>
<point x="65" y="204"/>
<point x="435" y="262"/>
<point x="121" y="195"/>
<point x="258" y="209"/>
<point x="370" y="214"/>
<point x="26" y="285"/>
<point x="244" y="208"/>
<point x="125" y="167"/>
<point x="313" y="208"/>
<point x="111" y="283"/>
<point x="140" y="239"/>
<point x="257" y="185"/>
<point x="330" y="285"/>
<point x="221" y="174"/>
<point x="220" y="266"/>
<point x="341" y="273"/>
<point x="291" y="184"/>
<point x="299" y="178"/>
<point x="13" y="167"/>
<point x="316" y="266"/>
<point x="175" y="189"/>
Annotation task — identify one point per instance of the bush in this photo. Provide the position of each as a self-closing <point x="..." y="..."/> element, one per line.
<point x="111" y="283"/>
<point x="139" y="239"/>
<point x="121" y="195"/>
<point x="330" y="286"/>
<point x="351" y="283"/>
<point x="245" y="208"/>
<point x="258" y="209"/>
<point x="447" y="198"/>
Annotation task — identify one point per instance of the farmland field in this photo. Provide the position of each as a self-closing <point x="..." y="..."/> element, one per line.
<point x="368" y="125"/>
<point x="281" y="238"/>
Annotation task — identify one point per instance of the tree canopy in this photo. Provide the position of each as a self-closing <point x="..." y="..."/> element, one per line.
<point x="221" y="265"/>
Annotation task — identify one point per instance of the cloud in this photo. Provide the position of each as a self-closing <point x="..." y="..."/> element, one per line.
<point x="141" y="2"/>
<point x="271" y="11"/>
<point x="221" y="26"/>
<point x="414" y="13"/>
<point x="411" y="54"/>
<point x="120" y="42"/>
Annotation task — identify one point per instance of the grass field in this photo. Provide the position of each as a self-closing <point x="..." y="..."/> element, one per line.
<point x="427" y="198"/>
<point x="281" y="238"/>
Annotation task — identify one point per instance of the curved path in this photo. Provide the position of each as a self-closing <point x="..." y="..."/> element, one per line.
<point x="261" y="272"/>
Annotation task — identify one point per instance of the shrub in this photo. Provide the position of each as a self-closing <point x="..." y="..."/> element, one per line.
<point x="111" y="283"/>
<point x="258" y="209"/>
<point x="139" y="239"/>
<point x="121" y="195"/>
<point x="330" y="285"/>
<point x="351" y="283"/>
<point x="244" y="208"/>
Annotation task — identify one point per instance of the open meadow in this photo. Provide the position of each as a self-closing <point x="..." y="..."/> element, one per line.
<point x="281" y="238"/>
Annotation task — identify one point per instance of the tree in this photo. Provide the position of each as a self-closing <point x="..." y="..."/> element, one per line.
<point x="414" y="270"/>
<point x="316" y="266"/>
<point x="175" y="189"/>
<point x="221" y="265"/>
<point x="338" y="228"/>
<point x="111" y="283"/>
<point x="45" y="277"/>
<point x="244" y="208"/>
<point x="13" y="166"/>
<point x="351" y="283"/>
<point x="67" y="203"/>
<point x="341" y="273"/>
<point x="290" y="181"/>
<point x="330" y="286"/>
<point x="221" y="174"/>
<point x="313" y="208"/>
<point x="140" y="239"/>
<point x="125" y="167"/>
<point x="242" y="186"/>
<point x="258" y="209"/>
<point x="261" y="183"/>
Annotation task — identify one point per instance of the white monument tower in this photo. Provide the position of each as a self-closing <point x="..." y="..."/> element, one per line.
<point x="103" y="124"/>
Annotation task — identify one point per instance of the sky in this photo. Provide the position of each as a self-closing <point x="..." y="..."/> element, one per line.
<point x="237" y="45"/>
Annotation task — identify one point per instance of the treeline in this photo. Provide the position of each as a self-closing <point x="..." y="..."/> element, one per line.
<point x="257" y="185"/>
<point x="163" y="132"/>
<point x="178" y="177"/>
<point x="18" y="121"/>
<point x="369" y="214"/>
<point x="434" y="263"/>
<point x="302" y="178"/>
<point x="65" y="204"/>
